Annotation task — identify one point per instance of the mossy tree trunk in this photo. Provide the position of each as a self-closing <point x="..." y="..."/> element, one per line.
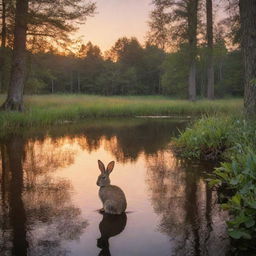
<point x="14" y="101"/>
<point x="248" y="25"/>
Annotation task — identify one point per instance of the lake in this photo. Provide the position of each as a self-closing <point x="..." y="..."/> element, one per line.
<point x="49" y="197"/>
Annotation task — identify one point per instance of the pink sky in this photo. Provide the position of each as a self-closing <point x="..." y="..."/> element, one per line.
<point x="118" y="18"/>
<point x="115" y="19"/>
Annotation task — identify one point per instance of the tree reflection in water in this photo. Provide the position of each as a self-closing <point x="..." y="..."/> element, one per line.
<point x="36" y="211"/>
<point x="37" y="215"/>
<point x="127" y="142"/>
<point x="189" y="212"/>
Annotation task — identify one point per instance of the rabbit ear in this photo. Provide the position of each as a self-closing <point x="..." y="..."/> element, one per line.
<point x="101" y="166"/>
<point x="110" y="167"/>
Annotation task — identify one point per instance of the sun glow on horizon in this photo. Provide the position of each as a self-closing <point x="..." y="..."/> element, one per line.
<point x="115" y="19"/>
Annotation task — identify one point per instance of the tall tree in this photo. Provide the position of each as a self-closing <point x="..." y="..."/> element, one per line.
<point x="248" y="27"/>
<point x="210" y="69"/>
<point x="3" y="42"/>
<point x="181" y="17"/>
<point x="58" y="18"/>
<point x="158" y="25"/>
<point x="14" y="99"/>
<point x="6" y="17"/>
<point x="192" y="11"/>
<point x="231" y="22"/>
<point x="46" y="20"/>
<point x="3" y="34"/>
<point x="7" y="21"/>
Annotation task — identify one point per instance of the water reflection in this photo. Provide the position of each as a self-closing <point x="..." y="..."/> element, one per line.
<point x="189" y="212"/>
<point x="126" y="140"/>
<point x="14" y="152"/>
<point x="36" y="210"/>
<point x="110" y="226"/>
<point x="49" y="196"/>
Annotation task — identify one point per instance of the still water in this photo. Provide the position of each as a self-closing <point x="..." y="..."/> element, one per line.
<point x="49" y="198"/>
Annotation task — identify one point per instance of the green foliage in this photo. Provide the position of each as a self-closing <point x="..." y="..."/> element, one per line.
<point x="33" y="85"/>
<point x="128" y="68"/>
<point x="51" y="109"/>
<point x="240" y="176"/>
<point x="230" y="69"/>
<point x="136" y="70"/>
<point x="227" y="66"/>
<point x="159" y="33"/>
<point x="151" y="70"/>
<point x="175" y="70"/>
<point x="208" y="138"/>
<point x="236" y="140"/>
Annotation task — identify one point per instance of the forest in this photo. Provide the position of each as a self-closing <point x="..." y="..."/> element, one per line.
<point x="128" y="69"/>
<point x="159" y="66"/>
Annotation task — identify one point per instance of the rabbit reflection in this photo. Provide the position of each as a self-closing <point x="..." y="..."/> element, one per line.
<point x="110" y="226"/>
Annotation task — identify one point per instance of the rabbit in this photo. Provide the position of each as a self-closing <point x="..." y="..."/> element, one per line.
<point x="112" y="197"/>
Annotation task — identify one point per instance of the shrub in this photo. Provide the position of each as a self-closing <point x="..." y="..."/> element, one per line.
<point x="208" y="138"/>
<point x="235" y="140"/>
<point x="239" y="176"/>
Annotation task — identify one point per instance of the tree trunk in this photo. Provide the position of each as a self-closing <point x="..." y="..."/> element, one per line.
<point x="202" y="78"/>
<point x="159" y="85"/>
<point x="192" y="82"/>
<point x="248" y="25"/>
<point x="78" y="83"/>
<point x="71" y="82"/>
<point x="3" y="34"/>
<point x="210" y="69"/>
<point x="14" y="99"/>
<point x="220" y="71"/>
<point x="52" y="86"/>
<point x="192" y="9"/>
<point x="3" y="45"/>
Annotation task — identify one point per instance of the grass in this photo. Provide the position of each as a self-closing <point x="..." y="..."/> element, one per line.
<point x="47" y="110"/>
<point x="234" y="139"/>
<point x="207" y="139"/>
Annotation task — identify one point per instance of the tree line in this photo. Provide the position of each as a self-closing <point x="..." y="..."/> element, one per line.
<point x="128" y="68"/>
<point x="189" y="52"/>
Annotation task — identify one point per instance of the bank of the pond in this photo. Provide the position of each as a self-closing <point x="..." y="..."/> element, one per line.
<point x="232" y="139"/>
<point x="46" y="110"/>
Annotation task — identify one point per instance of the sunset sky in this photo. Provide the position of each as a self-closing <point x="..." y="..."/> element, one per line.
<point x="114" y="19"/>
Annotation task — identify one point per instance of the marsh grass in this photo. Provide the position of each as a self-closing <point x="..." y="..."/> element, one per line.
<point x="208" y="138"/>
<point x="47" y="110"/>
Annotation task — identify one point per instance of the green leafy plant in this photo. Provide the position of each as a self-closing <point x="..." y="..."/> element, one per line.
<point x="235" y="139"/>
<point x="240" y="176"/>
